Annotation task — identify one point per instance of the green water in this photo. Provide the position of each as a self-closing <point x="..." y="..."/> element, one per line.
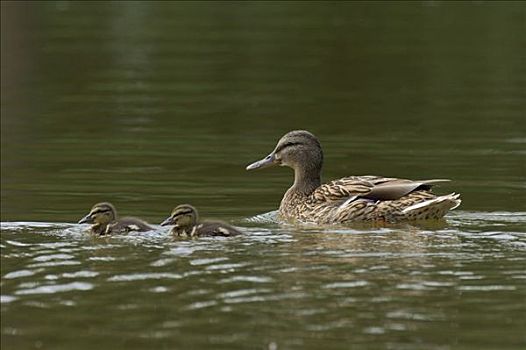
<point x="149" y="105"/>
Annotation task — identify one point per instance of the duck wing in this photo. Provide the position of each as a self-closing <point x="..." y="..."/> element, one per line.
<point x="370" y="187"/>
<point x="397" y="188"/>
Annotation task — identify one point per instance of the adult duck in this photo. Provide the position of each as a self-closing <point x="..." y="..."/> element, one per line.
<point x="349" y="199"/>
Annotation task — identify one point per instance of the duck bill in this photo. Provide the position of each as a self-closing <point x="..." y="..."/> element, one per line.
<point x="168" y="221"/>
<point x="86" y="220"/>
<point x="266" y="162"/>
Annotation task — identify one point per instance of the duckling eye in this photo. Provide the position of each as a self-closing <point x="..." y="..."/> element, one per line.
<point x="100" y="211"/>
<point x="182" y="213"/>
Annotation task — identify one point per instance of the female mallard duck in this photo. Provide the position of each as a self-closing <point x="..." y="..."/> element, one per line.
<point x="186" y="224"/>
<point x="349" y="199"/>
<point x="104" y="218"/>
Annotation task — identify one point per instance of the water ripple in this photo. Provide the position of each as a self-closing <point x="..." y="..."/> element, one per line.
<point x="80" y="274"/>
<point x="5" y="299"/>
<point x="207" y="261"/>
<point x="20" y="273"/>
<point x="487" y="288"/>
<point x="53" y="257"/>
<point x="55" y="263"/>
<point x="253" y="279"/>
<point x="144" y="276"/>
<point x="352" y="284"/>
<point x="201" y="305"/>
<point x="227" y="267"/>
<point x="57" y="288"/>
<point x="266" y="218"/>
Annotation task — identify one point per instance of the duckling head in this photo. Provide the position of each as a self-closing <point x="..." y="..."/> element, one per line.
<point x="182" y="216"/>
<point x="100" y="213"/>
<point x="296" y="149"/>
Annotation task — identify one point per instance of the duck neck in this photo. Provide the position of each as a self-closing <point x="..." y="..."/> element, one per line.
<point x="306" y="180"/>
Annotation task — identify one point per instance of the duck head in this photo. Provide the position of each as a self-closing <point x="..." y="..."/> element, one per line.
<point x="100" y="213"/>
<point x="182" y="216"/>
<point x="296" y="149"/>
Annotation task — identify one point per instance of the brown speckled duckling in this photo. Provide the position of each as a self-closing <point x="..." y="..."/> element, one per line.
<point x="186" y="223"/>
<point x="104" y="217"/>
<point x="349" y="199"/>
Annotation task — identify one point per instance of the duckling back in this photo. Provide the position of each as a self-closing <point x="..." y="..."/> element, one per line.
<point x="127" y="224"/>
<point x="216" y="229"/>
<point x="206" y="229"/>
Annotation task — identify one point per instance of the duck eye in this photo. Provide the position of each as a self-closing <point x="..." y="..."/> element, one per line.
<point x="101" y="211"/>
<point x="182" y="213"/>
<point x="289" y="144"/>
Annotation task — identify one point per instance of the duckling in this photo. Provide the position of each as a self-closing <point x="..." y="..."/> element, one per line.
<point x="185" y="219"/>
<point x="349" y="199"/>
<point x="104" y="217"/>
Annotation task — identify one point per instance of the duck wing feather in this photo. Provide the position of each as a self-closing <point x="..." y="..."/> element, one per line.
<point x="370" y="187"/>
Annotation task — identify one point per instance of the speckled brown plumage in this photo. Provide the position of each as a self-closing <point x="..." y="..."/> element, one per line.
<point x="105" y="220"/>
<point x="186" y="223"/>
<point x="349" y="199"/>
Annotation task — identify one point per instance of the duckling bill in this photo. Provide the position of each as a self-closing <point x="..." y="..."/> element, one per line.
<point x="186" y="224"/>
<point x="105" y="221"/>
<point x="349" y="199"/>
